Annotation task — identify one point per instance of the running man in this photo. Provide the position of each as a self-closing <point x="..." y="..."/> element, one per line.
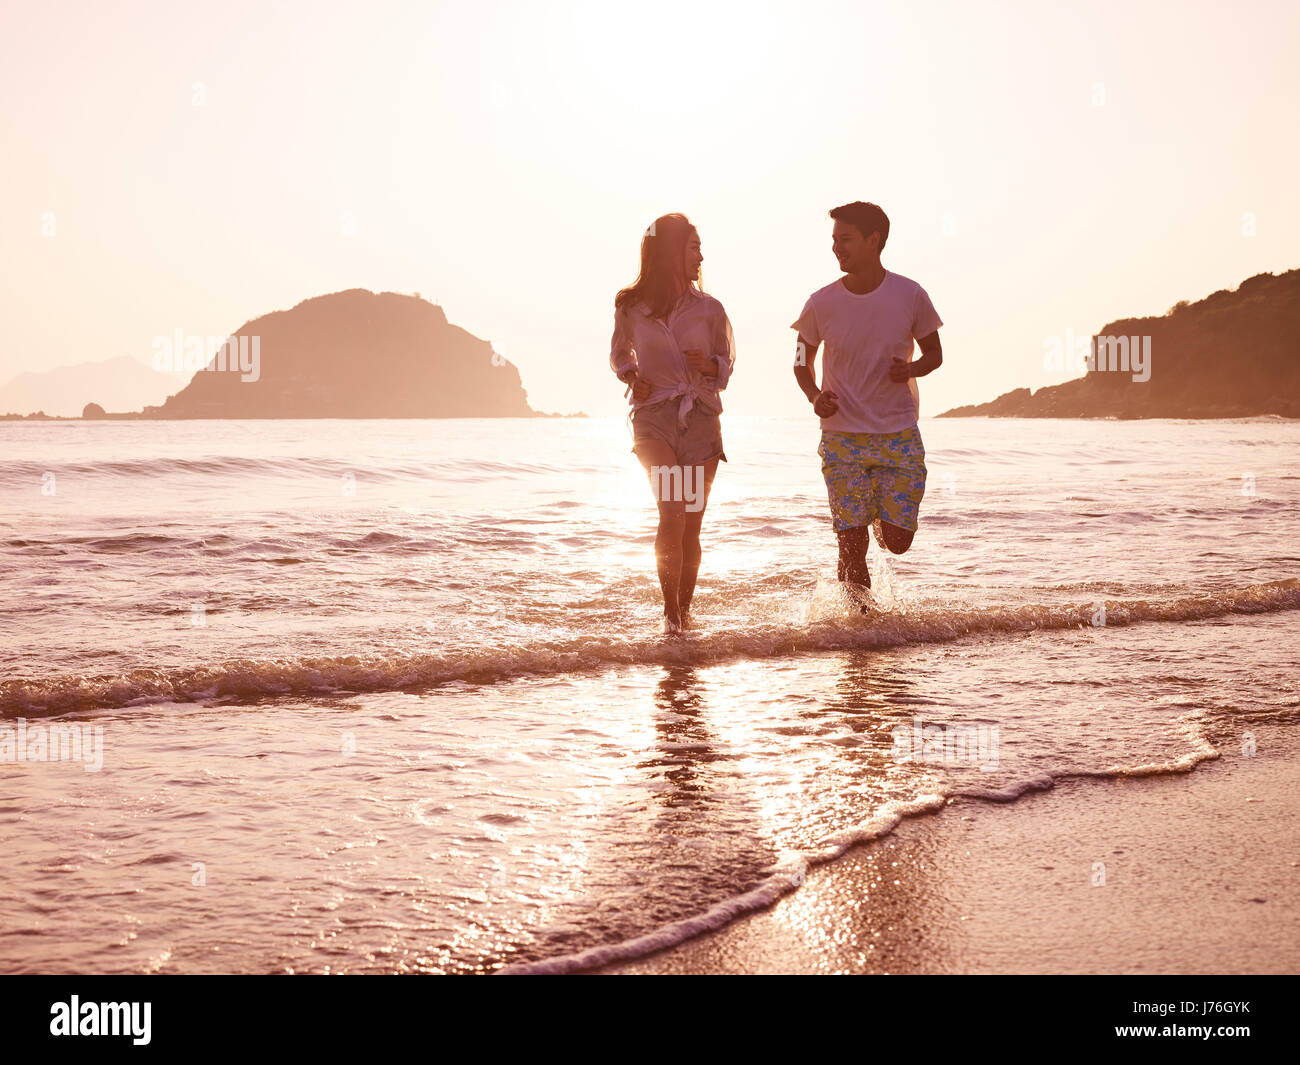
<point x="872" y="456"/>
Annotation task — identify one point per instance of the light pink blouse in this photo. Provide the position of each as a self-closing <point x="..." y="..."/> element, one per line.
<point x="655" y="349"/>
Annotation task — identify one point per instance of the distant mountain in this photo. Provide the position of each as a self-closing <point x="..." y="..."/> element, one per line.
<point x="1230" y="355"/>
<point x="119" y="383"/>
<point x="353" y="354"/>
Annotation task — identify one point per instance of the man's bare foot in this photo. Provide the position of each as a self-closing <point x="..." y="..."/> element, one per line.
<point x="859" y="595"/>
<point x="672" y="626"/>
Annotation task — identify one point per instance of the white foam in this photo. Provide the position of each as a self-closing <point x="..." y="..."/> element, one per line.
<point x="787" y="874"/>
<point x="791" y="869"/>
<point x="921" y="624"/>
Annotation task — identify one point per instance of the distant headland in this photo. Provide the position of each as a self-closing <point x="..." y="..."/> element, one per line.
<point x="352" y="354"/>
<point x="1231" y="355"/>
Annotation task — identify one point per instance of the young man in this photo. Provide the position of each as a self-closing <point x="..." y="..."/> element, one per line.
<point x="872" y="456"/>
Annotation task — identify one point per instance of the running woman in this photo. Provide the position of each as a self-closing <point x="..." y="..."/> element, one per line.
<point x="673" y="348"/>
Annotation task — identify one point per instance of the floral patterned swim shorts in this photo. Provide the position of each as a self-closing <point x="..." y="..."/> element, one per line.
<point x="874" y="475"/>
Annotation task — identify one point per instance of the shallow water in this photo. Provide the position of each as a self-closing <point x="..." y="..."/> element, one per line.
<point x="389" y="696"/>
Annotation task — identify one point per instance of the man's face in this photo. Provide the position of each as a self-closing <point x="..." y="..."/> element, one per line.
<point x="852" y="250"/>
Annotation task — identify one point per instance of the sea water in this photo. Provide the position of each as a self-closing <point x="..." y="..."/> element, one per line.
<point x="390" y="696"/>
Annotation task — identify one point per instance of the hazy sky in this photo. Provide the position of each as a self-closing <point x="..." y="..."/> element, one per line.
<point x="1045" y="168"/>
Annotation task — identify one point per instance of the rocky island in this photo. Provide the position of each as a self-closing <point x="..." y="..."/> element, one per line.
<point x="1233" y="354"/>
<point x="352" y="354"/>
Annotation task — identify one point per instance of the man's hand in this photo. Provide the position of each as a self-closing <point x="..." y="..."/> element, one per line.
<point x="826" y="404"/>
<point x="900" y="370"/>
<point x="701" y="362"/>
<point x="931" y="356"/>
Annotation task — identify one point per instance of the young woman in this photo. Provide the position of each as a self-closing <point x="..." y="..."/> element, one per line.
<point x="674" y="350"/>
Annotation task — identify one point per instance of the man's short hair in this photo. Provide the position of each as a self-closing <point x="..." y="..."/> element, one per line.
<point x="867" y="217"/>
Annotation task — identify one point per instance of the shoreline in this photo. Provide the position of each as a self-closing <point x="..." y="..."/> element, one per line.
<point x="1189" y="873"/>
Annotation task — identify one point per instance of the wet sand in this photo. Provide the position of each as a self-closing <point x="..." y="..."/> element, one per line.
<point x="1201" y="875"/>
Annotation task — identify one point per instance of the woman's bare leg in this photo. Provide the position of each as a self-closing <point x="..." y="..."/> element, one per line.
<point x="702" y="482"/>
<point x="655" y="455"/>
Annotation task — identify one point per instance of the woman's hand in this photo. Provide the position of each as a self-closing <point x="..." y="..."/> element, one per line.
<point x="701" y="362"/>
<point x="638" y="386"/>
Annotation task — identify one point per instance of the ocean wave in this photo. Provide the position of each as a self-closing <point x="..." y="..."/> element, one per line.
<point x="919" y="624"/>
<point x="786" y="874"/>
<point x="305" y="539"/>
<point x="22" y="473"/>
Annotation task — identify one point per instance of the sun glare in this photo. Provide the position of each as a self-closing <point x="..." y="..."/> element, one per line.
<point x="662" y="59"/>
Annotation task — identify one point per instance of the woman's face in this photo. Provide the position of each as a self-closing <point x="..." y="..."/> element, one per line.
<point x="693" y="257"/>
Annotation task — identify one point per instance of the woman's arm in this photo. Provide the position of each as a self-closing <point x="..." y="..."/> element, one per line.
<point x="716" y="363"/>
<point x="622" y="356"/>
<point x="724" y="348"/>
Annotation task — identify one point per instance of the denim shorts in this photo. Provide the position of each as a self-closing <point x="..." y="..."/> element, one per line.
<point x="874" y="475"/>
<point x="694" y="445"/>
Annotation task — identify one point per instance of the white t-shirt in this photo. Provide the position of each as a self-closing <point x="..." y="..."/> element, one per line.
<point x="862" y="336"/>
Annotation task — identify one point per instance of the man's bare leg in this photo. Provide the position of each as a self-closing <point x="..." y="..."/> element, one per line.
<point x="853" y="570"/>
<point x="894" y="537"/>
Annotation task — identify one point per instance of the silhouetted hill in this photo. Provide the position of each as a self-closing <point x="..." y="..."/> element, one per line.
<point x="118" y="383"/>
<point x="356" y="354"/>
<point x="1230" y="355"/>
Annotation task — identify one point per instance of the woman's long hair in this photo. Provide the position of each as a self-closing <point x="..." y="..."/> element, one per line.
<point x="663" y="266"/>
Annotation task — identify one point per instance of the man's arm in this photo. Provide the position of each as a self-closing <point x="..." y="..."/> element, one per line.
<point x="805" y="356"/>
<point x="931" y="359"/>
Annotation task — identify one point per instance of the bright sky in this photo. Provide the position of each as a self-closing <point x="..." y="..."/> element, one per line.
<point x="1046" y="167"/>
